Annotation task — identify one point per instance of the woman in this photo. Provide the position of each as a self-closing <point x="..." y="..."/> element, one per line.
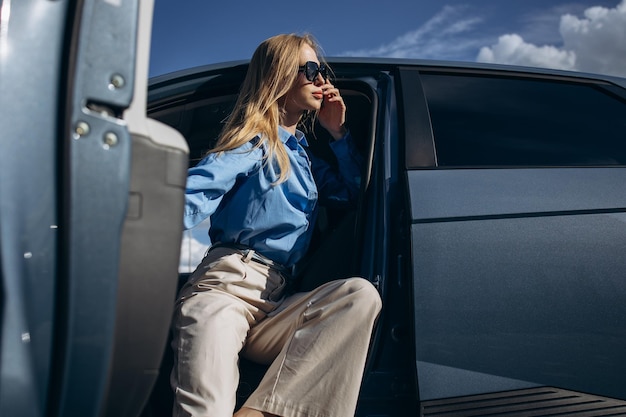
<point x="260" y="188"/>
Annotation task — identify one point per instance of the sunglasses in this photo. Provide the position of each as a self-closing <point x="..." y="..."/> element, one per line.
<point x="311" y="69"/>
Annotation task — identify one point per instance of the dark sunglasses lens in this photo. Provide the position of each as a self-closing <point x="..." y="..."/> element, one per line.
<point x="312" y="69"/>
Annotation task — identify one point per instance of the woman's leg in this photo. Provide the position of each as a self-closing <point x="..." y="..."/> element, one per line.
<point x="210" y="329"/>
<point x="317" y="344"/>
<point x="225" y="296"/>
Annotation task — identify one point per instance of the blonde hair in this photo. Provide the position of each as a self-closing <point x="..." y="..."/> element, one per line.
<point x="273" y="70"/>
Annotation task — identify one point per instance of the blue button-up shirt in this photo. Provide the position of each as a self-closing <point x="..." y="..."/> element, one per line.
<point x="236" y="189"/>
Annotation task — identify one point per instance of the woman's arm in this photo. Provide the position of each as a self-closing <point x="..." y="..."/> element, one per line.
<point x="213" y="177"/>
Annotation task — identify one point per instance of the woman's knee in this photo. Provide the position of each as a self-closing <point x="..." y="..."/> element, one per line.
<point x="365" y="293"/>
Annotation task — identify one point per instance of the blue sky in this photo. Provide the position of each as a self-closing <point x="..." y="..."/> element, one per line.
<point x="585" y="35"/>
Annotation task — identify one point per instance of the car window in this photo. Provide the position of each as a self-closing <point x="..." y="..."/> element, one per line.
<point x="495" y="121"/>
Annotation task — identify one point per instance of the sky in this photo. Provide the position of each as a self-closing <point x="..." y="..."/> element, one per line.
<point x="583" y="35"/>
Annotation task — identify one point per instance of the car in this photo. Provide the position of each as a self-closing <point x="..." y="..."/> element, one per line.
<point x="492" y="219"/>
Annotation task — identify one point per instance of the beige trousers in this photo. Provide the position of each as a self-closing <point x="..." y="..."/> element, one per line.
<point x="316" y="343"/>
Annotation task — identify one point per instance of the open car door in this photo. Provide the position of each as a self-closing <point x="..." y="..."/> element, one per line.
<point x="91" y="200"/>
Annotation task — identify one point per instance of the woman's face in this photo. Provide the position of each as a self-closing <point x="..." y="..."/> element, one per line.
<point x="304" y="94"/>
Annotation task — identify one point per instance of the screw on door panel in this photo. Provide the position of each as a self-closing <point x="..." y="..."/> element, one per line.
<point x="110" y="140"/>
<point x="117" y="82"/>
<point x="81" y="129"/>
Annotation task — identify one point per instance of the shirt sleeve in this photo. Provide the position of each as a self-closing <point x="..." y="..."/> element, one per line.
<point x="213" y="177"/>
<point x="344" y="184"/>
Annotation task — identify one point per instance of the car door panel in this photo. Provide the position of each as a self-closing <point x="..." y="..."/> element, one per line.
<point x="469" y="193"/>
<point x="518" y="276"/>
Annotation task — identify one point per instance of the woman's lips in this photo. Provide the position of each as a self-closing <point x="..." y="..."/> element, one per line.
<point x="318" y="95"/>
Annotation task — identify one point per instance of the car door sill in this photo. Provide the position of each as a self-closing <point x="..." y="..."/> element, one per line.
<point x="540" y="401"/>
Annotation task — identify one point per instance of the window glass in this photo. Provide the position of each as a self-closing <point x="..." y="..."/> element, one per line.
<point x="490" y="121"/>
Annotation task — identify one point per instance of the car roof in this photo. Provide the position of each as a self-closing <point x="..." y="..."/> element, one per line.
<point x="424" y="64"/>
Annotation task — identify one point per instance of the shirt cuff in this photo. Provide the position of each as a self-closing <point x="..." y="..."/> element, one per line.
<point x="342" y="146"/>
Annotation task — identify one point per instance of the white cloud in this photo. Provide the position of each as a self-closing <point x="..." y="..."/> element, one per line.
<point x="441" y="37"/>
<point x="511" y="49"/>
<point x="593" y="43"/>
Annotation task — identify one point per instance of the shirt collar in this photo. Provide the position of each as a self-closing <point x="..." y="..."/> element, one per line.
<point x="284" y="136"/>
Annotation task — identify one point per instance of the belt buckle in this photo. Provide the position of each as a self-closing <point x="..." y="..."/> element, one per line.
<point x="246" y="254"/>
